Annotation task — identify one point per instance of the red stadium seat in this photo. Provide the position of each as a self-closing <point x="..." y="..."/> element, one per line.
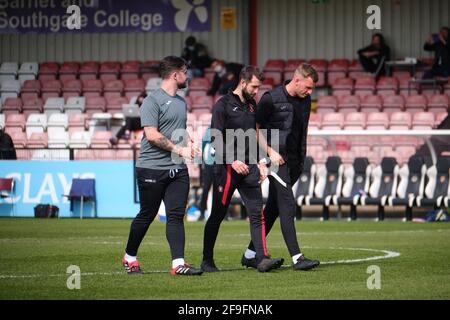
<point x="332" y="121"/>
<point x="315" y="122"/>
<point x="38" y="140"/>
<point x="387" y="86"/>
<point x="12" y="105"/>
<point x="416" y="103"/>
<point x="109" y="70"/>
<point x="377" y="121"/>
<point x="71" y="88"/>
<point x="355" y="121"/>
<point x="338" y="68"/>
<point x="100" y="139"/>
<point x="343" y="86"/>
<point x="48" y="71"/>
<point x="423" y="121"/>
<point x="438" y="103"/>
<point x="130" y="70"/>
<point x="114" y="104"/>
<point x="51" y="89"/>
<point x="32" y="105"/>
<point x="355" y="70"/>
<point x="30" y="89"/>
<point x="347" y="104"/>
<point x="321" y="66"/>
<point x="94" y="104"/>
<point x="134" y="87"/>
<point x="16" y="120"/>
<point x="400" y="121"/>
<point x="365" y="86"/>
<point x="69" y="71"/>
<point x="393" y="103"/>
<point x="371" y="103"/>
<point x="440" y="117"/>
<point x="19" y="138"/>
<point x="92" y="88"/>
<point x="113" y="88"/>
<point x="327" y="104"/>
<point x="89" y="70"/>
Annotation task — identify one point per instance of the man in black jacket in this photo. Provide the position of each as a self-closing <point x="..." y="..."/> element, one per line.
<point x="374" y="56"/>
<point x="440" y="44"/>
<point x="233" y="122"/>
<point x="285" y="111"/>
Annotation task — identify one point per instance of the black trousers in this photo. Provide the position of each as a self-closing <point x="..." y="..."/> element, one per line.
<point x="207" y="181"/>
<point x="281" y="202"/>
<point x="226" y="181"/>
<point x="170" y="186"/>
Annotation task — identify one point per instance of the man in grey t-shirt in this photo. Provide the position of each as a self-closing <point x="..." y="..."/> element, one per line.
<point x="160" y="173"/>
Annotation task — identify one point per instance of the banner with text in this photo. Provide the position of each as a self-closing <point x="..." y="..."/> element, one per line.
<point x="89" y="16"/>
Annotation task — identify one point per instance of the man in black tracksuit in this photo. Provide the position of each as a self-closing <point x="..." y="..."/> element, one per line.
<point x="233" y="121"/>
<point x="286" y="109"/>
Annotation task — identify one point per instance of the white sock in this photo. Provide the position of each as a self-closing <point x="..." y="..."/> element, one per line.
<point x="296" y="257"/>
<point x="249" y="254"/>
<point x="177" y="262"/>
<point x="130" y="258"/>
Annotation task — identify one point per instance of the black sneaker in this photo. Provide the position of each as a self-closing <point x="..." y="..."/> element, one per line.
<point x="252" y="263"/>
<point x="208" y="266"/>
<point x="266" y="264"/>
<point x="185" y="270"/>
<point x="304" y="263"/>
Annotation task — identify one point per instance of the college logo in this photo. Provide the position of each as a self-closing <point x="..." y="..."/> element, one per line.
<point x="185" y="9"/>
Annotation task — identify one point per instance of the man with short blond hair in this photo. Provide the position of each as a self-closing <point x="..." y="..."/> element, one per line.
<point x="285" y="111"/>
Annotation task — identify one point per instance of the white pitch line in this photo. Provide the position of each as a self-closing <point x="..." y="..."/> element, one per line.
<point x="388" y="255"/>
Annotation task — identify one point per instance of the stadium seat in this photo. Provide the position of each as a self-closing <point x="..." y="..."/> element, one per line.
<point x="8" y="71"/>
<point x="100" y="139"/>
<point x="75" y="105"/>
<point x="77" y="122"/>
<point x="80" y="140"/>
<point x="19" y="139"/>
<point x="50" y="89"/>
<point x="400" y="121"/>
<point x="54" y="105"/>
<point x="30" y="89"/>
<point x="95" y="104"/>
<point x="71" y="88"/>
<point x="109" y="70"/>
<point x="356" y="184"/>
<point x="328" y="185"/>
<point x="371" y="103"/>
<point x="202" y="102"/>
<point x="130" y="70"/>
<point x="438" y="103"/>
<point x="327" y="104"/>
<point x="333" y="121"/>
<point x="305" y="184"/>
<point x="37" y="140"/>
<point x="343" y="86"/>
<point x="437" y="190"/>
<point x="32" y="105"/>
<point x="112" y="88"/>
<point x="440" y="117"/>
<point x="12" y="105"/>
<point x="387" y="86"/>
<point x="69" y="71"/>
<point x="59" y="120"/>
<point x="393" y="103"/>
<point x="28" y="71"/>
<point x="36" y="123"/>
<point x="48" y="71"/>
<point x="88" y="70"/>
<point x="9" y="89"/>
<point x="124" y="154"/>
<point x="315" y="122"/>
<point x="384" y="184"/>
<point x="16" y="121"/>
<point x="134" y="87"/>
<point x="405" y="89"/>
<point x="92" y="88"/>
<point x="356" y="70"/>
<point x="377" y="121"/>
<point x="423" y="121"/>
<point x="410" y="186"/>
<point x="348" y="104"/>
<point x="115" y="104"/>
<point x="355" y="121"/>
<point x="58" y="139"/>
<point x="415" y="103"/>
<point x="338" y="68"/>
<point x="365" y="86"/>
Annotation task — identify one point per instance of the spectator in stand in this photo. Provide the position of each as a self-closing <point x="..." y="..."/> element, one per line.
<point x="374" y="56"/>
<point x="439" y="43"/>
<point x="197" y="56"/>
<point x="226" y="77"/>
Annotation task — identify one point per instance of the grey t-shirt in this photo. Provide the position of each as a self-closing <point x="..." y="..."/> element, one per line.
<point x="167" y="113"/>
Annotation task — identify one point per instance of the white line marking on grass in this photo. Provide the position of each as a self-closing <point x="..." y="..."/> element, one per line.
<point x="388" y="255"/>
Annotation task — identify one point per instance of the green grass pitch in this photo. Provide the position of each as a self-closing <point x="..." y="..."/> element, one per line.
<point x="35" y="255"/>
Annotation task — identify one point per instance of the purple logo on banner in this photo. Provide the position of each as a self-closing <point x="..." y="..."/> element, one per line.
<point x="50" y="16"/>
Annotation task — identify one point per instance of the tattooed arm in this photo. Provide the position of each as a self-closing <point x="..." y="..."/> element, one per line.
<point x="157" y="139"/>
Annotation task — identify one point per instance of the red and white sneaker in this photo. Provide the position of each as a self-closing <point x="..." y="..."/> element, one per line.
<point x="185" y="270"/>
<point x="132" y="267"/>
